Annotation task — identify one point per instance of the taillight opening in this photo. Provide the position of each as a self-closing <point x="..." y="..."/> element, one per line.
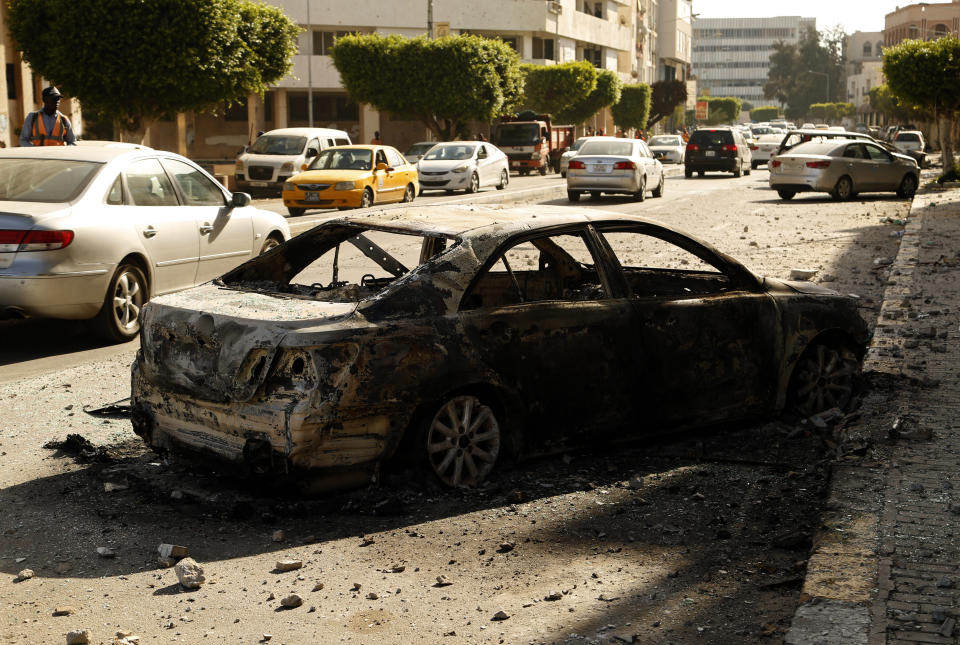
<point x="624" y="165"/>
<point x="775" y="164"/>
<point x="12" y="240"/>
<point x="729" y="148"/>
<point x="693" y="146"/>
<point x="818" y="164"/>
<point x="578" y="165"/>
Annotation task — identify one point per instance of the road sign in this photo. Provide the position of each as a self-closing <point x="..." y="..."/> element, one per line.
<point x="701" y="111"/>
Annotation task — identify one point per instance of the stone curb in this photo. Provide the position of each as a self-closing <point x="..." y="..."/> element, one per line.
<point x="851" y="534"/>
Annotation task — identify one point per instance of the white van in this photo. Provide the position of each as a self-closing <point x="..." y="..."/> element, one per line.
<point x="277" y="155"/>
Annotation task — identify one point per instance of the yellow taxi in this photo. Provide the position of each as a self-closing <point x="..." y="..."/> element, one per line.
<point x="352" y="177"/>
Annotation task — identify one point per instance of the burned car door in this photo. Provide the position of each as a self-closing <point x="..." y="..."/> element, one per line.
<point x="711" y="337"/>
<point x="541" y="317"/>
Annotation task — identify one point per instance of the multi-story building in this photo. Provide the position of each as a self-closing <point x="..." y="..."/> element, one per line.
<point x="863" y="70"/>
<point x="923" y="21"/>
<point x="731" y="56"/>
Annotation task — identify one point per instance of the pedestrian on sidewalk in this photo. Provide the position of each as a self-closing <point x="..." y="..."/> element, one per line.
<point x="48" y="126"/>
<point x="376" y="140"/>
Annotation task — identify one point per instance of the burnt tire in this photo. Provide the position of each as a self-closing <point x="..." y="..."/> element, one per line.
<point x="826" y="376"/>
<point x="908" y="187"/>
<point x="461" y="440"/>
<point x="119" y="318"/>
<point x="843" y="191"/>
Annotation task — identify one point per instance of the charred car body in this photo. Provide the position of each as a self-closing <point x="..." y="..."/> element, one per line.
<point x="471" y="334"/>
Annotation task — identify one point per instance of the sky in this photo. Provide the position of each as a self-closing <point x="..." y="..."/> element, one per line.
<point x="853" y="15"/>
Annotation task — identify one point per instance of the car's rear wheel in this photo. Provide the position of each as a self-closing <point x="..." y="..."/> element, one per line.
<point x="825" y="377"/>
<point x="543" y="170"/>
<point x="843" y="190"/>
<point x="367" y="199"/>
<point x="504" y="179"/>
<point x="908" y="187"/>
<point x="738" y="171"/>
<point x="701" y="173"/>
<point x="563" y="173"/>
<point x="687" y="173"/>
<point x="786" y="194"/>
<point x="462" y="440"/>
<point x="658" y="191"/>
<point x="296" y="212"/>
<point x="573" y="195"/>
<point x="754" y="165"/>
<point x="474" y="183"/>
<point x="641" y="194"/>
<point x="118" y="320"/>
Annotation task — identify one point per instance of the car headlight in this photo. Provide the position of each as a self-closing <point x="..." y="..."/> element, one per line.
<point x="289" y="185"/>
<point x="463" y="168"/>
<point x="288" y="167"/>
<point x="345" y="185"/>
<point x="535" y="155"/>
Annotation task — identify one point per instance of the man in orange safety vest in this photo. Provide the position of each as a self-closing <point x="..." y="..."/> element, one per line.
<point x="47" y="127"/>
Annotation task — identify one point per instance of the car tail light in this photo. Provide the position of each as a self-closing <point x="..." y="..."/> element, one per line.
<point x="818" y="164"/>
<point x="624" y="165"/>
<point x="729" y="147"/>
<point x="754" y="147"/>
<point x="34" y="240"/>
<point x="693" y="146"/>
<point x="774" y="164"/>
<point x="576" y="164"/>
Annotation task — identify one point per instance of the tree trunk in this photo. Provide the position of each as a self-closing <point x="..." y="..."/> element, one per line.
<point x="946" y="139"/>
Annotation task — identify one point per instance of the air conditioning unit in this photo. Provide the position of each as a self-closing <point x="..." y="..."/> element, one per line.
<point x="555" y="7"/>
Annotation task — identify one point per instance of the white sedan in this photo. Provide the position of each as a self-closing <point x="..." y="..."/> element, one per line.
<point x="614" y="165"/>
<point x="765" y="148"/>
<point x="93" y="232"/>
<point x="668" y="148"/>
<point x="463" y="165"/>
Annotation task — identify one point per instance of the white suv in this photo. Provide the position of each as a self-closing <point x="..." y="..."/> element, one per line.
<point x="279" y="154"/>
<point x="910" y="142"/>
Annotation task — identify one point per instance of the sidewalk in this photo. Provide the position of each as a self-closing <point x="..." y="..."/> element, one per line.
<point x="886" y="562"/>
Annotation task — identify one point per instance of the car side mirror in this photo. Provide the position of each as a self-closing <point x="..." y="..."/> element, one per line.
<point x="311" y="152"/>
<point x="383" y="166"/>
<point x="239" y="200"/>
<point x="304" y="166"/>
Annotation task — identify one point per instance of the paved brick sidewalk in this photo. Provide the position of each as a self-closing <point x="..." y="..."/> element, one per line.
<point x="886" y="566"/>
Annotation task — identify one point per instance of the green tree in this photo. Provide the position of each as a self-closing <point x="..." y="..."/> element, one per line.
<point x="765" y="113"/>
<point x="606" y="93"/>
<point x="925" y="74"/>
<point x="633" y="108"/>
<point x="134" y="61"/>
<point x="664" y="98"/>
<point x="897" y="109"/>
<point x="445" y="83"/>
<point x="806" y="72"/>
<point x="551" y="89"/>
<point x="722" y="109"/>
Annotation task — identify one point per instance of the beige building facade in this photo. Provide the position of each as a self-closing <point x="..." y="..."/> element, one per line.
<point x="922" y="21"/>
<point x="863" y="52"/>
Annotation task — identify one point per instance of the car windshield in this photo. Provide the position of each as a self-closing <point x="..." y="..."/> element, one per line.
<point x="338" y="262"/>
<point x="518" y="134"/>
<point x="664" y="141"/>
<point x="419" y="148"/>
<point x="453" y="152"/>
<point x="579" y="143"/>
<point x="278" y="144"/>
<point x="621" y="148"/>
<point x="44" y="180"/>
<point x="343" y="159"/>
<point x="816" y="148"/>
<point x="712" y="137"/>
<point x="908" y="136"/>
<point x="761" y="130"/>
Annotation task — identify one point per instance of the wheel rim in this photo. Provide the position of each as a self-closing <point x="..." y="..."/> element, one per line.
<point x="503" y="178"/>
<point x="269" y="245"/>
<point x="127" y="300"/>
<point x="909" y="185"/>
<point x="474" y="184"/>
<point x="408" y="194"/>
<point x="844" y="188"/>
<point x="463" y="441"/>
<point x="824" y="379"/>
<point x="366" y="200"/>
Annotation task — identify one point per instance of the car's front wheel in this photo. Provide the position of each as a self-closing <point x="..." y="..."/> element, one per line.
<point x="908" y="187"/>
<point x="825" y="377"/>
<point x="366" y="200"/>
<point x="462" y="440"/>
<point x="786" y="194"/>
<point x="296" y="212"/>
<point x="119" y="320"/>
<point x="272" y="242"/>
<point x="658" y="191"/>
<point x="474" y="183"/>
<point x="409" y="194"/>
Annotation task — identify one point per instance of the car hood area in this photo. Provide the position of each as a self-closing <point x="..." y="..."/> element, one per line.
<point x="442" y="165"/>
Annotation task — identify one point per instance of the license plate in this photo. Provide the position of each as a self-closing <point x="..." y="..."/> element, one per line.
<point x="710" y="153"/>
<point x="312" y="197"/>
<point x="600" y="167"/>
<point x="258" y="184"/>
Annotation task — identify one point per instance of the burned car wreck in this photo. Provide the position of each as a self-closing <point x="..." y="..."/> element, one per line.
<point x="469" y="335"/>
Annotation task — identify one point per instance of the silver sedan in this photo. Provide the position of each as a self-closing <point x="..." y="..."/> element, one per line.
<point x="668" y="148"/>
<point x="92" y="232"/>
<point x="843" y="168"/>
<point x="614" y="165"/>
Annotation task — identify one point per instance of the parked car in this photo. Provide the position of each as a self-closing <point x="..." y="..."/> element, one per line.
<point x="476" y="333"/>
<point x="614" y="165"/>
<point x="93" y="232"/>
<point x="843" y="168"/>
<point x="570" y="153"/>
<point x="764" y="148"/>
<point x="909" y="142"/>
<point x="277" y="155"/>
<point x="464" y="165"/>
<point x="668" y="148"/>
<point x="352" y="177"/>
<point x="802" y="136"/>
<point x="415" y="152"/>
<point x="720" y="148"/>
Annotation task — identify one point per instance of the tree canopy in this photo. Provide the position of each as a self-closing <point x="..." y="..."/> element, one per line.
<point x="765" y="113"/>
<point x="664" y="98"/>
<point x="722" y="109"/>
<point x="551" y="89"/>
<point x="807" y="72"/>
<point x="606" y="93"/>
<point x="633" y="108"/>
<point x="924" y="73"/>
<point x="135" y="61"/>
<point x="445" y="83"/>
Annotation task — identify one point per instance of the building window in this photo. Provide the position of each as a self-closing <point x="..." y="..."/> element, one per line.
<point x="593" y="56"/>
<point x="914" y="32"/>
<point x="513" y="41"/>
<point x="326" y="108"/>
<point x="940" y="30"/>
<point x="323" y="40"/>
<point x="867" y="50"/>
<point x="237" y="111"/>
<point x="11" y="81"/>
<point x="543" y="48"/>
<point x="591" y="7"/>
